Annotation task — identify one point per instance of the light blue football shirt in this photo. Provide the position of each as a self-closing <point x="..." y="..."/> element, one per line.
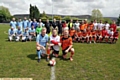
<point x="42" y="40"/>
<point x="13" y="24"/>
<point x="11" y="32"/>
<point x="25" y="24"/>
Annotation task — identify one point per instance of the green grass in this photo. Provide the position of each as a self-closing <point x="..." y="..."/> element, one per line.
<point x="91" y="61"/>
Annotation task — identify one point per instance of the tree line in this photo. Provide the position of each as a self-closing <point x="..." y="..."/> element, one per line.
<point x="35" y="13"/>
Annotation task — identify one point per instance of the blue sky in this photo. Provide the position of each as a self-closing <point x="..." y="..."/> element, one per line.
<point x="109" y="8"/>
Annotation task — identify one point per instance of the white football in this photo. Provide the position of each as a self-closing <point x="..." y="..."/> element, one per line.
<point x="52" y="62"/>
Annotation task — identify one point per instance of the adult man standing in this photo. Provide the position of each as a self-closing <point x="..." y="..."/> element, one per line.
<point x="40" y="23"/>
<point x="100" y="25"/>
<point x="29" y="24"/>
<point x="77" y="24"/>
<point x="60" y="27"/>
<point x="107" y="25"/>
<point x="20" y="24"/>
<point x="47" y="25"/>
<point x="13" y="23"/>
<point x="70" y="25"/>
<point x="25" y="23"/>
<point x="54" y="24"/>
<point x="95" y="25"/>
<point x="41" y="42"/>
<point x="34" y="23"/>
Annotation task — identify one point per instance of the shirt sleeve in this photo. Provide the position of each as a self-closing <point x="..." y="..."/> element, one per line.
<point x="37" y="39"/>
<point x="11" y="24"/>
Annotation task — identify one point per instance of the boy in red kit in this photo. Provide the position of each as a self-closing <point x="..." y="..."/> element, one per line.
<point x="99" y="35"/>
<point x="66" y="44"/>
<point x="105" y="34"/>
<point x="78" y="35"/>
<point x="111" y="33"/>
<point x="89" y="37"/>
<point x="114" y="26"/>
<point x="94" y="35"/>
<point x="84" y="36"/>
<point x="115" y="36"/>
<point x="91" y="25"/>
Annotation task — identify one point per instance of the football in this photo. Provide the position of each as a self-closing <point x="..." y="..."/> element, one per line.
<point x="52" y="62"/>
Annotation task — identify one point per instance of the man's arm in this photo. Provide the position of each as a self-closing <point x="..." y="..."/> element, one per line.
<point x="38" y="45"/>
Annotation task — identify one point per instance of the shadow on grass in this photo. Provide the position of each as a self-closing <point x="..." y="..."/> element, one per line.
<point x="32" y="56"/>
<point x="61" y="58"/>
<point x="35" y="56"/>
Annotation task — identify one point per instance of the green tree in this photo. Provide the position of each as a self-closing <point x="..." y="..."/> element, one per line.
<point x="108" y="20"/>
<point x="31" y="11"/>
<point x="4" y="14"/>
<point x="58" y="17"/>
<point x="43" y="14"/>
<point x="75" y="18"/>
<point x="67" y="18"/>
<point x="34" y="12"/>
<point x="49" y="17"/>
<point x="118" y="20"/>
<point x="96" y="14"/>
<point x="43" y="18"/>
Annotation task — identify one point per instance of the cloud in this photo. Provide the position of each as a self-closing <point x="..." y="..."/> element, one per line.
<point x="66" y="7"/>
<point x="85" y="0"/>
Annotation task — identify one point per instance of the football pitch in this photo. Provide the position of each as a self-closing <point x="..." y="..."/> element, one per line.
<point x="100" y="61"/>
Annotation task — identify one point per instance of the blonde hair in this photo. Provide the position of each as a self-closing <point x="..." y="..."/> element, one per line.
<point x="44" y="29"/>
<point x="66" y="28"/>
<point x="55" y="29"/>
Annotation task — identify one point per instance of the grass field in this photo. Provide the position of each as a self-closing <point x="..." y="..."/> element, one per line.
<point x="91" y="61"/>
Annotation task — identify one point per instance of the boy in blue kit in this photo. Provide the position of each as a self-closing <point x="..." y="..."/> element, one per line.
<point x="41" y="42"/>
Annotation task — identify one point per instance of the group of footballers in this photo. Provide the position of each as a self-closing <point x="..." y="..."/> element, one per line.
<point x="62" y="34"/>
<point x="47" y="44"/>
<point x="85" y="32"/>
<point x="24" y="30"/>
<point x="94" y="32"/>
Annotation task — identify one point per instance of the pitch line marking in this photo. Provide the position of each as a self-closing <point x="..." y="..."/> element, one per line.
<point x="52" y="73"/>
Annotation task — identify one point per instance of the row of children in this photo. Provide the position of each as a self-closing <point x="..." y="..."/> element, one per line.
<point x="91" y="35"/>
